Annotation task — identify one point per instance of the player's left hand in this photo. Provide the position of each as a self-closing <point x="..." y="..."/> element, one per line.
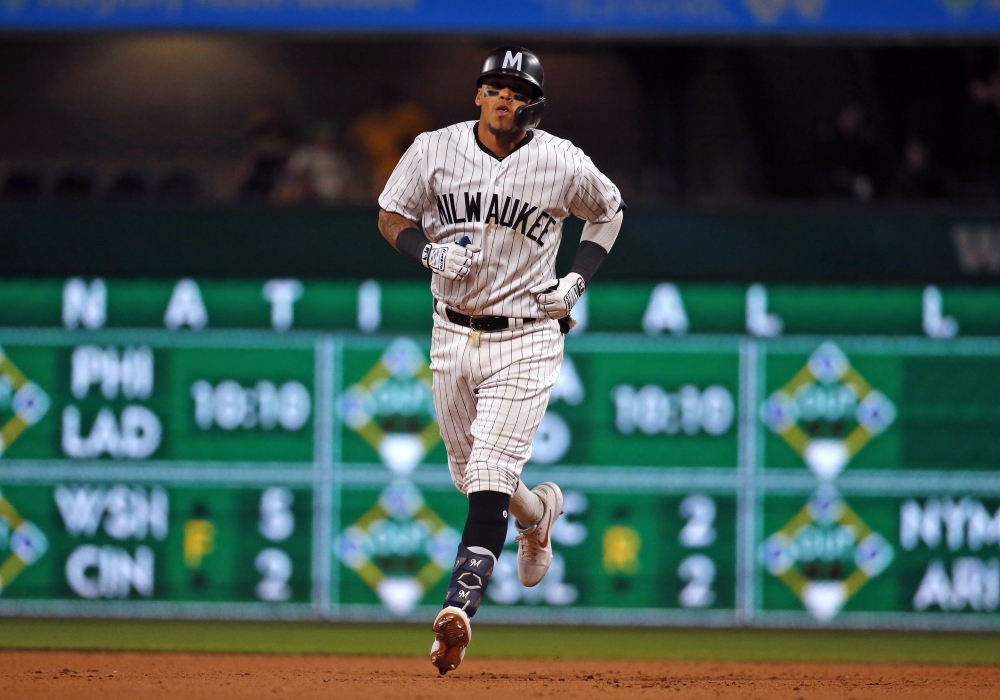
<point x="558" y="297"/>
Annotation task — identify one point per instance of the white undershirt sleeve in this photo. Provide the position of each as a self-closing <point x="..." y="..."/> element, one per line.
<point x="604" y="234"/>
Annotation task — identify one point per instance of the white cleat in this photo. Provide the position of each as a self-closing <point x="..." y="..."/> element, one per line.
<point x="452" y="634"/>
<point x="534" y="544"/>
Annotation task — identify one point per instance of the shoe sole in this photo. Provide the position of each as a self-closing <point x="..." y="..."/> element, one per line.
<point x="452" y="632"/>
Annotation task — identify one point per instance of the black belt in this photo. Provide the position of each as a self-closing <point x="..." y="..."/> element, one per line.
<point x="482" y="323"/>
<point x="486" y="324"/>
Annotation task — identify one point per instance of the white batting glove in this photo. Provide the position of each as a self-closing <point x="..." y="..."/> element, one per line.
<point x="558" y="297"/>
<point x="449" y="260"/>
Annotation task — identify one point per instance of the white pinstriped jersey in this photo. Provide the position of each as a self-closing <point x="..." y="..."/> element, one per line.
<point x="512" y="208"/>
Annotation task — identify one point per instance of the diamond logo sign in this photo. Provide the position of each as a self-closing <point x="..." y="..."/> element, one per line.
<point x="392" y="408"/>
<point x="25" y="542"/>
<point x="825" y="553"/>
<point x="827" y="412"/>
<point x="22" y="402"/>
<point x="400" y="548"/>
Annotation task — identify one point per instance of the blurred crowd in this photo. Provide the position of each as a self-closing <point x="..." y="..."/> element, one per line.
<point x="854" y="159"/>
<point x="696" y="142"/>
<point x="856" y="163"/>
<point x="326" y="166"/>
<point x="281" y="163"/>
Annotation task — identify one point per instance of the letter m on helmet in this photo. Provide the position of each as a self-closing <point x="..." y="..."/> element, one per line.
<point x="512" y="60"/>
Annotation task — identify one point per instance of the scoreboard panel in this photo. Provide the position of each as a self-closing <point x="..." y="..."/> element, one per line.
<point x="115" y="541"/>
<point x="729" y="456"/>
<point x="110" y="400"/>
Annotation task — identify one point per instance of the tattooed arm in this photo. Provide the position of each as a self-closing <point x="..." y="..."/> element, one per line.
<point x="391" y="225"/>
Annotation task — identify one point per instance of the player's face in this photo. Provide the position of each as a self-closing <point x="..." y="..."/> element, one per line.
<point x="498" y="99"/>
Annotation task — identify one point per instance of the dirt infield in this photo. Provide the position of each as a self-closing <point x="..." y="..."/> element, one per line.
<point x="106" y="676"/>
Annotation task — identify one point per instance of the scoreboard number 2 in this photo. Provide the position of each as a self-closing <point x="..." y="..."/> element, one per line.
<point x="277" y="522"/>
<point x="698" y="570"/>
<point x="275" y="568"/>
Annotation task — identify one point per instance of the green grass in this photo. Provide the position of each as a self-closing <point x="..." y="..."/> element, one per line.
<point x="503" y="641"/>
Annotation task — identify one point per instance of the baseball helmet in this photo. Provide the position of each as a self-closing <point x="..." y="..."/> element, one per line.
<point x="518" y="62"/>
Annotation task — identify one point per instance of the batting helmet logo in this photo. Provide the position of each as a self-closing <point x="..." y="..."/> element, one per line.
<point x="512" y="61"/>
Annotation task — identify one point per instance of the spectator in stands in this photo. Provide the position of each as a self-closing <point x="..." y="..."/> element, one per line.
<point x="848" y="155"/>
<point x="917" y="177"/>
<point x="981" y="138"/>
<point x="987" y="91"/>
<point x="316" y="172"/>
<point x="385" y="132"/>
<point x="270" y="137"/>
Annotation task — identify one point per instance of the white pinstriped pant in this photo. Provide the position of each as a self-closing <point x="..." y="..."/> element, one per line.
<point x="490" y="397"/>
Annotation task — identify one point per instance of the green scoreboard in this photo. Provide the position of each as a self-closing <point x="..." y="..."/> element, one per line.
<point x="729" y="455"/>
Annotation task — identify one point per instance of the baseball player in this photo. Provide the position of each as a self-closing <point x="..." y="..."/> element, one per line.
<point x="481" y="204"/>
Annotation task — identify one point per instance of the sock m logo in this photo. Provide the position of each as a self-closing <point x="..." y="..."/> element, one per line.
<point x="475" y="562"/>
<point x="512" y="60"/>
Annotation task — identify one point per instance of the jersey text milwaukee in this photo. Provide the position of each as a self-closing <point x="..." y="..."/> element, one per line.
<point x="512" y="208"/>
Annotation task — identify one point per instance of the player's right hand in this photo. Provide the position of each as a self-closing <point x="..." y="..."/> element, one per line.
<point x="450" y="260"/>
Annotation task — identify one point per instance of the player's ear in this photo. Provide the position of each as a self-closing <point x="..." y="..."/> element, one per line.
<point x="479" y="97"/>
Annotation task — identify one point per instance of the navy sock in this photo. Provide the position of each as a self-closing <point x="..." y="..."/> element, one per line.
<point x="486" y="525"/>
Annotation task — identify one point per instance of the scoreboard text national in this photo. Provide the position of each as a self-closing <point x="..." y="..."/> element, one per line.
<point x="729" y="455"/>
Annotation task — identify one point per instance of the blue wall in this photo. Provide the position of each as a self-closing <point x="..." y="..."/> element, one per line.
<point x="618" y="17"/>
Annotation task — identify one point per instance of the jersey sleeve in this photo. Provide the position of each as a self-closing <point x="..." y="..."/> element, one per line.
<point x="595" y="198"/>
<point x="406" y="191"/>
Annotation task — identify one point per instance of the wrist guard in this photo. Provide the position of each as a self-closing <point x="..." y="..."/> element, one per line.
<point x="411" y="243"/>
